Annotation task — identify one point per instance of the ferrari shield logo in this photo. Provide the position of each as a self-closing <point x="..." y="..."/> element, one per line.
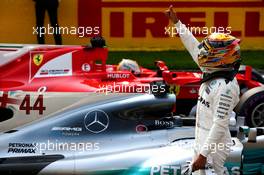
<point x="37" y="59"/>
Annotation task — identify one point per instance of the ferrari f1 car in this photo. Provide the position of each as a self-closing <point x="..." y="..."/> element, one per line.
<point x="124" y="134"/>
<point x="44" y="68"/>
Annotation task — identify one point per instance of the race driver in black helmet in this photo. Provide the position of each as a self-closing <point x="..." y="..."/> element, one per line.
<point x="218" y="56"/>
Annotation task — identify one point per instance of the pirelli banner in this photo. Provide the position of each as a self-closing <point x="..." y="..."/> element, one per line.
<point x="135" y="24"/>
<point x="141" y="24"/>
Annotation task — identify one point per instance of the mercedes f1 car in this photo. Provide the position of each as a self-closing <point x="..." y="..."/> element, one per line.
<point x="37" y="68"/>
<point x="119" y="134"/>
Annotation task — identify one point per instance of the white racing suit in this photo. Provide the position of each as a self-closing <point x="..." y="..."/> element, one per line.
<point x="217" y="99"/>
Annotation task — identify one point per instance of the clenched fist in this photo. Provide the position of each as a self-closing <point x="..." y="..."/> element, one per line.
<point x="171" y="15"/>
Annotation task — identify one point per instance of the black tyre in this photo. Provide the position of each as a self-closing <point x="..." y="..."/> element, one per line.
<point x="6" y="114"/>
<point x="251" y="105"/>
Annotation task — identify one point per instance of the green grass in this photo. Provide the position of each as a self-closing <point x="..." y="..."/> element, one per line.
<point x="177" y="60"/>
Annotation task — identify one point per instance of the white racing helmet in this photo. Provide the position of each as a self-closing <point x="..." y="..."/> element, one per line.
<point x="130" y="65"/>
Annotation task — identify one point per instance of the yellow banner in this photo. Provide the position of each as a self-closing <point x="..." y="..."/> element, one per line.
<point x="136" y="25"/>
<point x="151" y="31"/>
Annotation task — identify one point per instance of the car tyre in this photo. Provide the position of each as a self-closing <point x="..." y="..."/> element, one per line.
<point x="251" y="106"/>
<point x="6" y="114"/>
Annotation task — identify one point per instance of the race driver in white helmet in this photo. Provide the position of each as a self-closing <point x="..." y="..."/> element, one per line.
<point x="218" y="56"/>
<point x="129" y="65"/>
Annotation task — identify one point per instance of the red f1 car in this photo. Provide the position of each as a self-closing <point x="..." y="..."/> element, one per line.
<point x="84" y="69"/>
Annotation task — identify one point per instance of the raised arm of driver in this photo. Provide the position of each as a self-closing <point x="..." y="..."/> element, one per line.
<point x="187" y="38"/>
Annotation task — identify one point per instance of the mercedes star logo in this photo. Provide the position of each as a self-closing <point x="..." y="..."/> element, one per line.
<point x="96" y="121"/>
